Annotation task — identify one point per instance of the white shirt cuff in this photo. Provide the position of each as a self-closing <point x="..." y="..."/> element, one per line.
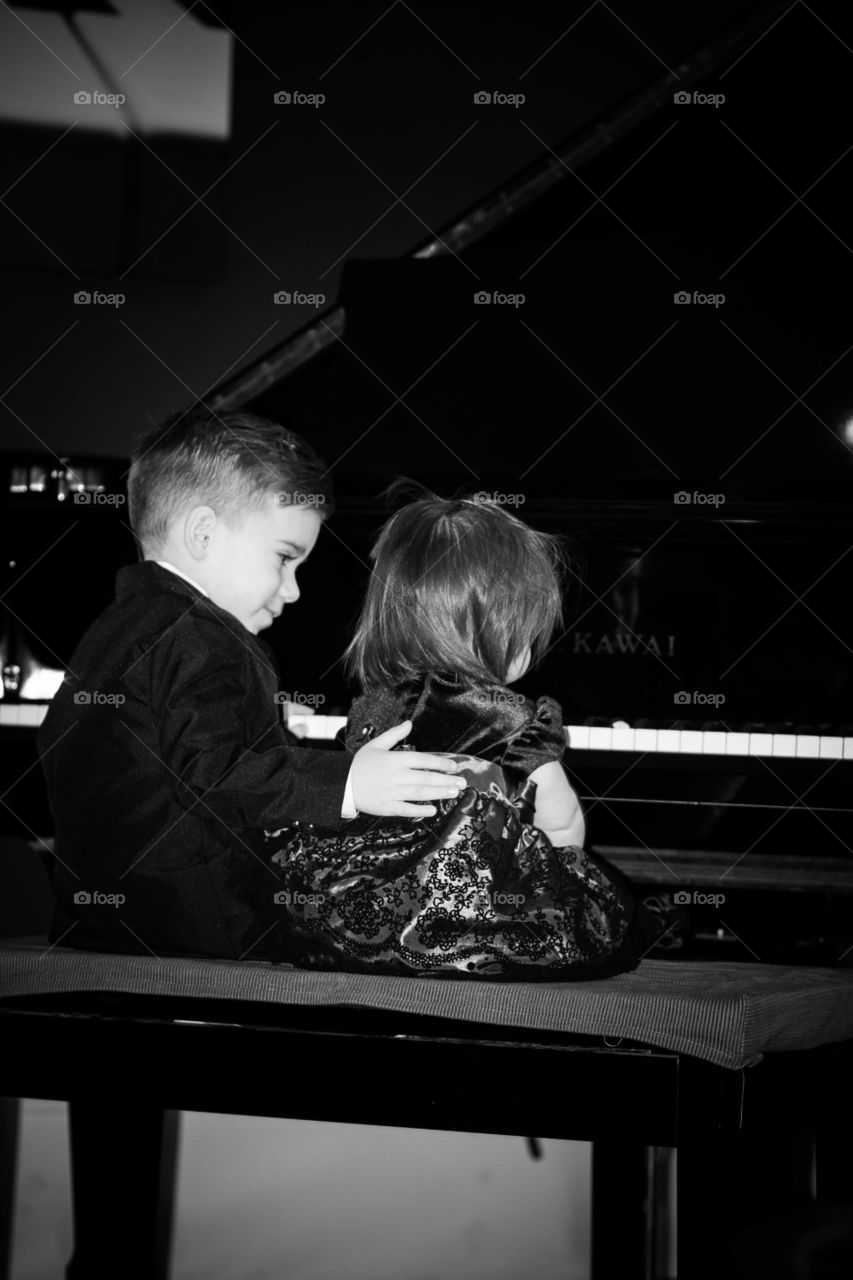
<point x="348" y="809"/>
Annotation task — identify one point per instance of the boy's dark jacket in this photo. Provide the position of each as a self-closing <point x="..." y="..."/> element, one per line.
<point x="163" y="797"/>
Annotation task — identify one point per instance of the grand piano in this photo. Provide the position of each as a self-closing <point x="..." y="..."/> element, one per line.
<point x="640" y="342"/>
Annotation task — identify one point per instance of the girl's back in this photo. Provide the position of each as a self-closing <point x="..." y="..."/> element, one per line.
<point x="496" y="885"/>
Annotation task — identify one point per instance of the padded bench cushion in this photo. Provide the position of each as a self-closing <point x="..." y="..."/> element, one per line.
<point x="723" y="1012"/>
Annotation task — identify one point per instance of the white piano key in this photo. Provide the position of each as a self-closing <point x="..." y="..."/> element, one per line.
<point x="645" y="739"/>
<point x="831" y="748"/>
<point x="784" y="744"/>
<point x="714" y="742"/>
<point x="808" y="746"/>
<point x="623" y="740"/>
<point x="848" y="748"/>
<point x="761" y="744"/>
<point x="578" y="735"/>
<point x="669" y="740"/>
<point x="600" y="738"/>
<point x="737" y="744"/>
<point x="11" y="714"/>
<point x="32" y="714"/>
<point x="323" y="727"/>
<point x="691" y="741"/>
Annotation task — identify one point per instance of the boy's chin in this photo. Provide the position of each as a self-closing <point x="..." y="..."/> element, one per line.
<point x="262" y="620"/>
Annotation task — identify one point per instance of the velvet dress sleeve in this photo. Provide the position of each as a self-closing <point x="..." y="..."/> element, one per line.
<point x="369" y="716"/>
<point x="539" y="741"/>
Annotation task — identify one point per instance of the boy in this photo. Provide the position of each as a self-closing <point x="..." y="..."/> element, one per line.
<point x="164" y="753"/>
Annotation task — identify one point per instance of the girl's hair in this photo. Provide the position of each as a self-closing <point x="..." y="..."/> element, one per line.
<point x="459" y="585"/>
<point x="234" y="463"/>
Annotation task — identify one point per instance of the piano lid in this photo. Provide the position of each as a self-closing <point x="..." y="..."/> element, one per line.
<point x="504" y="204"/>
<point x="683" y="322"/>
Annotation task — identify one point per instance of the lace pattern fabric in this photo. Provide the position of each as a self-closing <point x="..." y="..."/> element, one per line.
<point x="475" y="892"/>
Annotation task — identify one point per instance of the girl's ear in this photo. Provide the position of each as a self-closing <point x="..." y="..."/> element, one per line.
<point x="198" y="528"/>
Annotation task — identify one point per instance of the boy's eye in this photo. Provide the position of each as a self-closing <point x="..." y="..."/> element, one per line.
<point x="285" y="558"/>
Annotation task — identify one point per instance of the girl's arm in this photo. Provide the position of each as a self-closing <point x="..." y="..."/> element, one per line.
<point x="557" y="811"/>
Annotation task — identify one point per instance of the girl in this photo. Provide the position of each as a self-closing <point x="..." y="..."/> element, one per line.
<point x="463" y="598"/>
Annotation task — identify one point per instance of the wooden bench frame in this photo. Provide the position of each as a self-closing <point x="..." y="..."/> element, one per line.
<point x="735" y="1131"/>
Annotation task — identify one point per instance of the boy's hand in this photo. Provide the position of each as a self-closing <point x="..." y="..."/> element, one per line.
<point x="384" y="782"/>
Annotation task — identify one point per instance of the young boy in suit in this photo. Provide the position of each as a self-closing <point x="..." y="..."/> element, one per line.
<point x="164" y="752"/>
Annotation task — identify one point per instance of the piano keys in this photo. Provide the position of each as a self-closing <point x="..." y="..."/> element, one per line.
<point x="616" y="738"/>
<point x="643" y="740"/>
<point x="22" y="715"/>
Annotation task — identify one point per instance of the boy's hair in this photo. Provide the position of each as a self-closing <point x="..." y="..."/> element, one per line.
<point x="234" y="463"/>
<point x="459" y="585"/>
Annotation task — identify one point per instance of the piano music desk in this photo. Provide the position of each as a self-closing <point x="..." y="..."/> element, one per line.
<point x="730" y="1063"/>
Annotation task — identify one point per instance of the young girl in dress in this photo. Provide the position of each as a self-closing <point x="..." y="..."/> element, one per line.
<point x="463" y="599"/>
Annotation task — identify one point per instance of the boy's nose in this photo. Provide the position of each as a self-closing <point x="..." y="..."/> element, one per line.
<point x="289" y="591"/>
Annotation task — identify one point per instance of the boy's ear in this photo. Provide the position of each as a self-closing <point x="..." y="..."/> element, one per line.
<point x="198" y="528"/>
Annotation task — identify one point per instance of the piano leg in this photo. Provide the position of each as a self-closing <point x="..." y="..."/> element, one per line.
<point x="123" y="1167"/>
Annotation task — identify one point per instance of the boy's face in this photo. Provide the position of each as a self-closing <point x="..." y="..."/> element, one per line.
<point x="250" y="569"/>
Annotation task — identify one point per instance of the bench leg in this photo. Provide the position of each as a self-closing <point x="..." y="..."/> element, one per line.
<point x="10" y="1111"/>
<point x="705" y="1165"/>
<point x="709" y="1100"/>
<point x="123" y="1167"/>
<point x="621" y="1226"/>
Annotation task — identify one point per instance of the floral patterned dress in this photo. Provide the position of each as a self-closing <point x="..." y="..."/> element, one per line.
<point x="475" y="891"/>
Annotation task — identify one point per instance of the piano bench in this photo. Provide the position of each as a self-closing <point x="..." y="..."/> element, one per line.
<point x="744" y="1068"/>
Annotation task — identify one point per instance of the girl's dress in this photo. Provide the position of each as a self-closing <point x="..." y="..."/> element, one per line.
<point x="475" y="891"/>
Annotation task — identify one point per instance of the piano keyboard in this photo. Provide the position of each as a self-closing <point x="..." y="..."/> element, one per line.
<point x="711" y="742"/>
<point x="582" y="737"/>
<point x="23" y="715"/>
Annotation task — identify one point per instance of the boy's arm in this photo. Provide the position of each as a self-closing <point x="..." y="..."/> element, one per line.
<point x="202" y="741"/>
<point x="259" y="784"/>
<point x="557" y="810"/>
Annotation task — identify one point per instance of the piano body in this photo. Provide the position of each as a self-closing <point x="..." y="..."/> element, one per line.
<point x="631" y="344"/>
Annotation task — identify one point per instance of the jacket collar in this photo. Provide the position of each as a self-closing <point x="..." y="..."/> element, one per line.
<point x="148" y="578"/>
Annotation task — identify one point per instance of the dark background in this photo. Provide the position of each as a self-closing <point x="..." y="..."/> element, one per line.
<point x="748" y="400"/>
